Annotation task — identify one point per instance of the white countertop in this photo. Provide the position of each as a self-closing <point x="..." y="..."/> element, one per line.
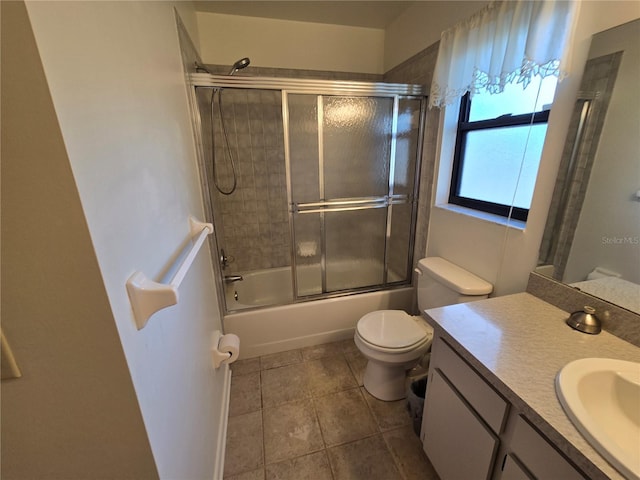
<point x="519" y="343"/>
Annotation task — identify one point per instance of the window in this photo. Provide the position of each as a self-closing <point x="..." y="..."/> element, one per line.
<point x="498" y="146"/>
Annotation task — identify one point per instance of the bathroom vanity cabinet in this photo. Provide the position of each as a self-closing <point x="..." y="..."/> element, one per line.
<point x="461" y="414"/>
<point x="470" y="431"/>
<point x="491" y="410"/>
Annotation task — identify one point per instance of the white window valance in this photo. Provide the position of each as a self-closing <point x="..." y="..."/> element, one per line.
<point x="506" y="41"/>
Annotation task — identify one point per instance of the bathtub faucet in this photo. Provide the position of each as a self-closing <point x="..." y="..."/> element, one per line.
<point x="232" y="278"/>
<point x="224" y="260"/>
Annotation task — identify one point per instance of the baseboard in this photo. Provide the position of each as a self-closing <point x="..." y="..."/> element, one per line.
<point x="218" y="470"/>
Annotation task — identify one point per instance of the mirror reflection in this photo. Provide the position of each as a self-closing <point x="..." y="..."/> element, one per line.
<point x="592" y="236"/>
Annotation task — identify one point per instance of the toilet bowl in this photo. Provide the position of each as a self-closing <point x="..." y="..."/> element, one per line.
<point x="393" y="342"/>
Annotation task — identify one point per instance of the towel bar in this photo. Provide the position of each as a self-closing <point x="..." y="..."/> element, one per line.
<point x="147" y="296"/>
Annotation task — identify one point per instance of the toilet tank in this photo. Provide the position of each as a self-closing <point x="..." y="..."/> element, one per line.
<point x="441" y="283"/>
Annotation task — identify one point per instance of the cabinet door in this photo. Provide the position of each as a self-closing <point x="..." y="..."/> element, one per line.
<point x="458" y="444"/>
<point x="484" y="400"/>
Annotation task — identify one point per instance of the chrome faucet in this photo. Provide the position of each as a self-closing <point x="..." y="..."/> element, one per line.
<point x="232" y="278"/>
<point x="224" y="260"/>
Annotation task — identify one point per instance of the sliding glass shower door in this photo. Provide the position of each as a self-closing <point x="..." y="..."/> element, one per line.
<point x="351" y="171"/>
<point x="326" y="184"/>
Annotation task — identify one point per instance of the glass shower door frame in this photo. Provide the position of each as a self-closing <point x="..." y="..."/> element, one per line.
<point x="318" y="87"/>
<point x="324" y="206"/>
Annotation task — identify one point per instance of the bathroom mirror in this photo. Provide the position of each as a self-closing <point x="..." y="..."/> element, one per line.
<point x="592" y="236"/>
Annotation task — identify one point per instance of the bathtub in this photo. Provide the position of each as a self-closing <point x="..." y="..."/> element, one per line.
<point x="258" y="288"/>
<point x="284" y="327"/>
<point x="273" y="286"/>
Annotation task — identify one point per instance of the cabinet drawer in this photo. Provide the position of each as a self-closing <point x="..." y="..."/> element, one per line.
<point x="458" y="444"/>
<point x="538" y="456"/>
<point x="483" y="398"/>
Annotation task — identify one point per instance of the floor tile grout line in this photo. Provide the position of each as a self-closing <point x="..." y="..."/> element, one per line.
<point x="326" y="449"/>
<point x="264" y="452"/>
<point x="375" y="417"/>
<point x="370" y="410"/>
<point x="313" y="396"/>
<point x="394" y="457"/>
<point x="317" y="417"/>
<point x="296" y="457"/>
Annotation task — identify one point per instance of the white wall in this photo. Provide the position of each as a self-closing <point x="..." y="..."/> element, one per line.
<point x="115" y="76"/>
<point x="74" y="412"/>
<point x="420" y="25"/>
<point x="518" y="253"/>
<point x="189" y="19"/>
<point x="608" y="232"/>
<point x="290" y="44"/>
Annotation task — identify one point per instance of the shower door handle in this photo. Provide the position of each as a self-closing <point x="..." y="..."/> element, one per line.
<point x="349" y="204"/>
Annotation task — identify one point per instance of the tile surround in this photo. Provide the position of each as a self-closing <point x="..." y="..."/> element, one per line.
<point x="262" y="175"/>
<point x="315" y="421"/>
<point x="255" y="226"/>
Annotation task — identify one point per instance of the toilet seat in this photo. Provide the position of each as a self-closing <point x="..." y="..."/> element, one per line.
<point x="392" y="331"/>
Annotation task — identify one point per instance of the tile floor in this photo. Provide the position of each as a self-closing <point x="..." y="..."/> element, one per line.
<point x="303" y="414"/>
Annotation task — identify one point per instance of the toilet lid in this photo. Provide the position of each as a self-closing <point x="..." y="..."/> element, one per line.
<point x="390" y="329"/>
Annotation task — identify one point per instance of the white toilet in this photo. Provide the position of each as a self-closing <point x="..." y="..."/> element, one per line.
<point x="394" y="341"/>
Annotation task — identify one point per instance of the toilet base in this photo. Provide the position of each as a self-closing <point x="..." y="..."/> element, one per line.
<point x="386" y="382"/>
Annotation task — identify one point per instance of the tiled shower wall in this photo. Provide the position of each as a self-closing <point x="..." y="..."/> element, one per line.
<point x="254" y="226"/>
<point x="255" y="230"/>
<point x="419" y="70"/>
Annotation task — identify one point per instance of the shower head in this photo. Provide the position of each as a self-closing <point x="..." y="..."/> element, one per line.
<point x="239" y="65"/>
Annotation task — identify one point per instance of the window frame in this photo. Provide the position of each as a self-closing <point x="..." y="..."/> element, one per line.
<point x="465" y="126"/>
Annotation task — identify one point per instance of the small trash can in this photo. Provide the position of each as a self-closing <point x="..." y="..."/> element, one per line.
<point x="415" y="402"/>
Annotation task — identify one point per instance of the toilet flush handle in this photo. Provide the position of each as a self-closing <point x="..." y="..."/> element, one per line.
<point x="418" y="271"/>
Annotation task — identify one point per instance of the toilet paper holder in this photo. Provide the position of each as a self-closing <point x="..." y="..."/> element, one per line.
<point x="224" y="348"/>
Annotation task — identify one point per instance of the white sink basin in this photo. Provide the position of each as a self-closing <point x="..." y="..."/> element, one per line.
<point x="601" y="396"/>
